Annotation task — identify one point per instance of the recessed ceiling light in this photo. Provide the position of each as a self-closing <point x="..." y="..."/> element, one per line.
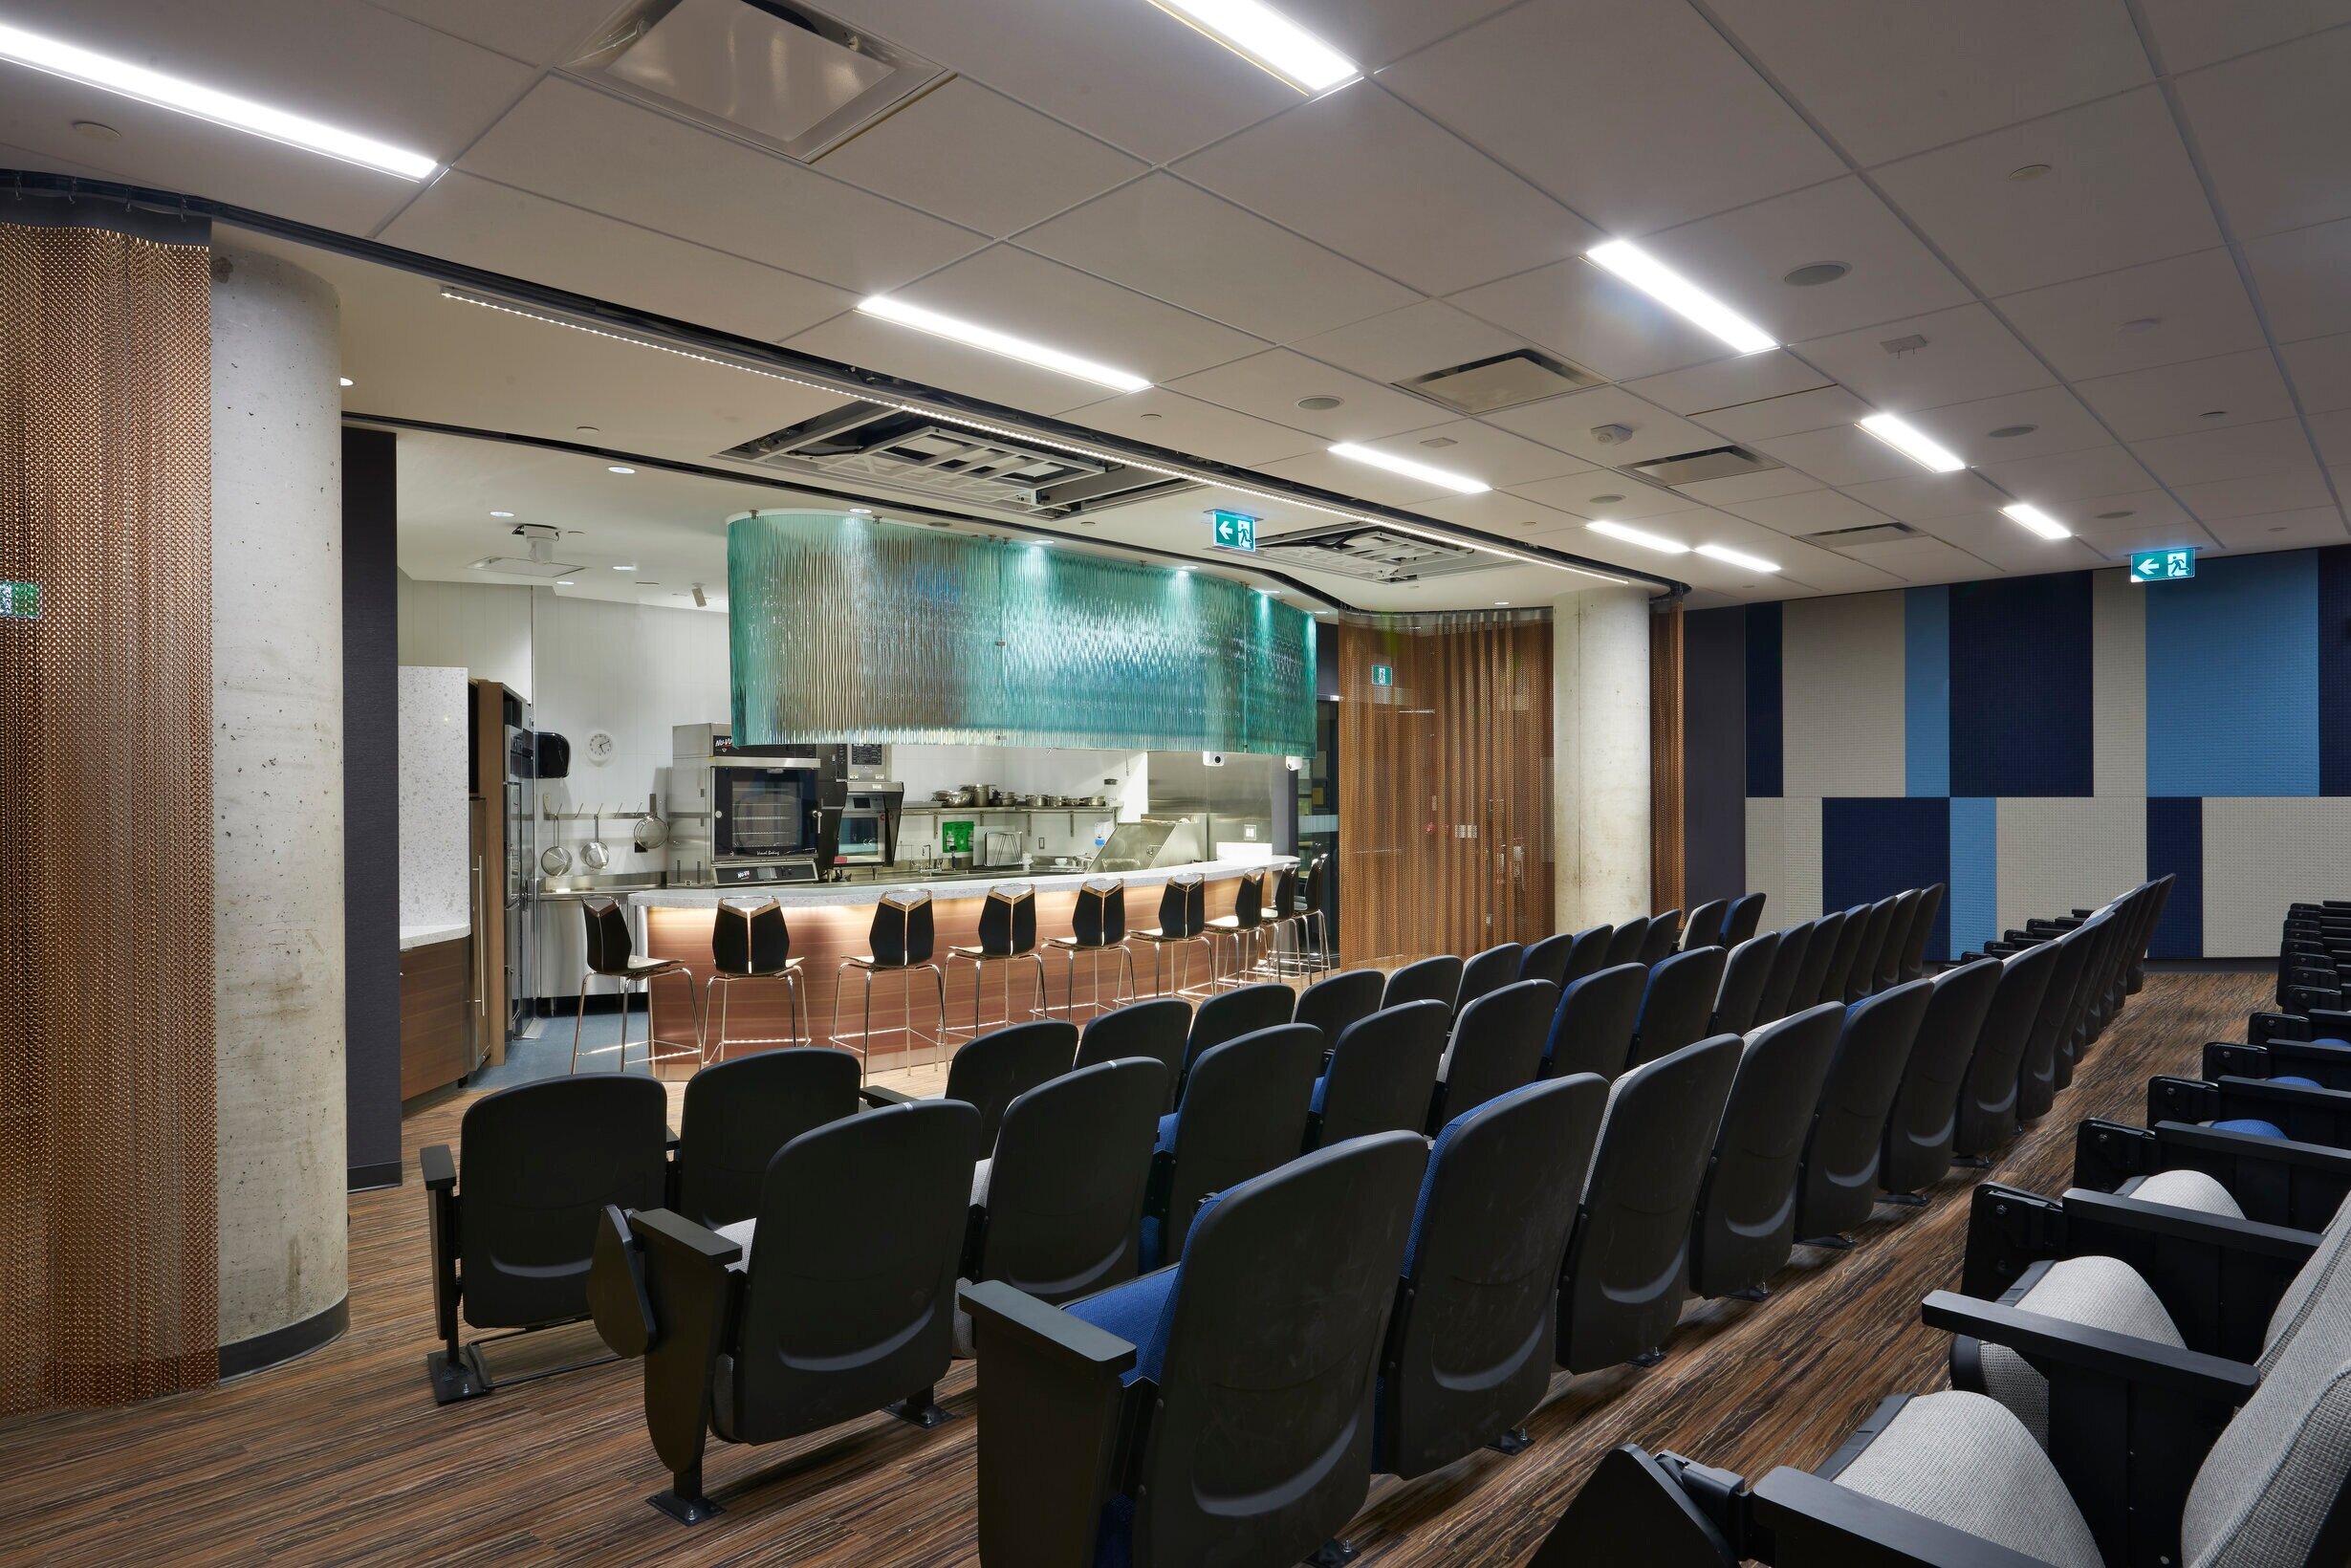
<point x="2214" y="413"/>
<point x="1645" y="540"/>
<point x="990" y="341"/>
<point x="1268" y="41"/>
<point x="1737" y="557"/>
<point x="1501" y="603"/>
<point x="860" y="511"/>
<point x="1913" y="443"/>
<point x="502" y="514"/>
<point x="1460" y="484"/>
<point x="567" y="583"/>
<point x="188" y="98"/>
<point x="346" y="380"/>
<point x="2279" y="527"/>
<point x="2039" y="521"/>
<point x="2109" y="516"/>
<point x="1815" y="274"/>
<point x="97" y="130"/>
<point x="2028" y="171"/>
<point x="588" y="429"/>
<point x="1149" y="417"/>
<point x="619" y="468"/>
<point x="630" y="567"/>
<point x="2143" y="323"/>
<point x="1680" y="295"/>
<point x="2009" y="432"/>
<point x="1610" y="499"/>
<point x="1320" y="403"/>
<point x="1440" y="441"/>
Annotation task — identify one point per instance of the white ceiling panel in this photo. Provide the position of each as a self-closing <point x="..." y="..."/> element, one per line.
<point x="1567" y="423"/>
<point x="1320" y="469"/>
<point x="2147" y="509"/>
<point x="1833" y="572"/>
<point x="1968" y="355"/>
<point x="2237" y="451"/>
<point x="1499" y="511"/>
<point x="1580" y="495"/>
<point x="2070" y="476"/>
<point x="2119" y="191"/>
<point x="1924" y="559"/>
<point x="2275" y="129"/>
<point x="2060" y="422"/>
<point x="580" y="147"/>
<point x="542" y="32"/>
<point x="978" y="159"/>
<point x="2256" y="493"/>
<point x="2332" y="432"/>
<point x="1128" y="73"/>
<point x="874" y="344"/>
<point x="1923" y="497"/>
<point x="2301" y="275"/>
<point x="1810" y="512"/>
<point x="494" y="226"/>
<point x="1743" y="256"/>
<point x="1270" y="385"/>
<point x="1179" y="243"/>
<point x="2321" y="371"/>
<point x="1749" y="487"/>
<point x="1789" y="415"/>
<point x="1889" y="80"/>
<point x="2283" y="530"/>
<point x="2011" y="548"/>
<point x="1483" y="452"/>
<point x="1359" y="171"/>
<point x="1635" y="114"/>
<point x="1574" y="309"/>
<point x="1372" y="33"/>
<point x="2194" y="32"/>
<point x="2198" y="394"/>
<point x="1412" y="342"/>
<point x="1186" y="424"/>
<point x="2196" y="304"/>
<point x="1731" y="384"/>
<point x="2116" y="540"/>
<point x="1839" y="454"/>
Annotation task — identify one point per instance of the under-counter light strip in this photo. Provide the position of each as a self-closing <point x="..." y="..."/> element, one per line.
<point x="468" y="296"/>
<point x="189" y="97"/>
<point x="973" y="335"/>
<point x="1268" y="41"/>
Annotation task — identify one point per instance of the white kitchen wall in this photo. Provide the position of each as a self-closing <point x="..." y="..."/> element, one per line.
<point x="435" y="817"/>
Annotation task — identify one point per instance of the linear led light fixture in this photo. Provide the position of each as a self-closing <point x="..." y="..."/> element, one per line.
<point x="2037" y="520"/>
<point x="1913" y="443"/>
<point x="1680" y="295"/>
<point x="1268" y="41"/>
<point x="973" y="335"/>
<point x="189" y="97"/>
<point x="1641" y="537"/>
<point x="1737" y="557"/>
<point x="1460" y="484"/>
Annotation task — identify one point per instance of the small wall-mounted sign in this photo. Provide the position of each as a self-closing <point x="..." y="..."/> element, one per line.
<point x="1383" y="675"/>
<point x="20" y="602"/>
<point x="2163" y="565"/>
<point x="1233" y="531"/>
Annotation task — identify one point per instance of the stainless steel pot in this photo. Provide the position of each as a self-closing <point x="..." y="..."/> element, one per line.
<point x="592" y="854"/>
<point x="556" y="861"/>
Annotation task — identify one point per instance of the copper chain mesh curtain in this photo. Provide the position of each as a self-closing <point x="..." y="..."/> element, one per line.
<point x="1445" y="785"/>
<point x="106" y="1051"/>
<point x="1666" y="778"/>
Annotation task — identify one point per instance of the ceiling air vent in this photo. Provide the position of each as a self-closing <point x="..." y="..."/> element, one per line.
<point x="1715" y="463"/>
<point x="867" y="443"/>
<point x="1846" y="538"/>
<point x="517" y="566"/>
<point x="1503" y="381"/>
<point x="775" y="71"/>
<point x="1372" y="554"/>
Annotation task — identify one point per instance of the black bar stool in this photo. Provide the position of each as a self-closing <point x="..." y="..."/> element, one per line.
<point x="1182" y="918"/>
<point x="751" y="942"/>
<point x="903" y="941"/>
<point x="1097" y="924"/>
<point x="1286" y="915"/>
<point x="1245" y="926"/>
<point x="1008" y="934"/>
<point x="612" y="954"/>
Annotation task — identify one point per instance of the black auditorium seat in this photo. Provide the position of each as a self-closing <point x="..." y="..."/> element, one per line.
<point x="1704" y="927"/>
<point x="739" y="1113"/>
<point x="1745" y="1223"/>
<point x="1664" y="935"/>
<point x="1677" y="1003"/>
<point x="1922" y="927"/>
<point x="1844" y="1154"/>
<point x="1242" y="1112"/>
<point x="993" y="1071"/>
<point x="1745" y="919"/>
<point x="1230" y="1014"/>
<point x="1987" y="1095"/>
<point x="1548" y="959"/>
<point x="1487" y="972"/>
<point x="1846" y="954"/>
<point x="1924" y="1118"/>
<point x="1217" y="1412"/>
<point x="1496" y="1046"/>
<point x="1435" y="979"/>
<point x="1587" y="955"/>
<point x="1156" y="1028"/>
<point x="1810" y="986"/>
<point x="1625" y="942"/>
<point x="1862" y="977"/>
<point x="2036" y="1081"/>
<point x="1346" y="999"/>
<point x="1887" y="971"/>
<point x="1380" y="1074"/>
<point x="1779" y="985"/>
<point x="1592" y="1028"/>
<point x="511" y="1242"/>
<point x="1745" y="973"/>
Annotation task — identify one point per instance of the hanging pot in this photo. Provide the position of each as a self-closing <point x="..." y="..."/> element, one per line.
<point x="592" y="854"/>
<point x="556" y="861"/>
<point x="651" y="831"/>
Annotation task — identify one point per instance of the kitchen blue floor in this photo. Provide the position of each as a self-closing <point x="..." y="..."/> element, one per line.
<point x="550" y="1054"/>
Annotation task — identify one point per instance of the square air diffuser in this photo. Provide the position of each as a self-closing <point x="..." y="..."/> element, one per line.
<point x="1504" y="382"/>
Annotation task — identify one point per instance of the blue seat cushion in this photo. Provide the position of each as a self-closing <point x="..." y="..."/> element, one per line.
<point x="2298" y="1080"/>
<point x="2339" y="1045"/>
<point x="1323" y="1086"/>
<point x="1135" y="1312"/>
<point x="2259" y="1129"/>
<point x="1114" y="1542"/>
<point x="1167" y="1132"/>
<point x="1148" y="1258"/>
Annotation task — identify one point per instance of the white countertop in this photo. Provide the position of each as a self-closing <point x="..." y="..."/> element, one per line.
<point x="425" y="936"/>
<point x="819" y="895"/>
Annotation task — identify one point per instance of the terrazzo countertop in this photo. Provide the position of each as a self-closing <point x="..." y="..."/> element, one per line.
<point x="426" y="935"/>
<point x="820" y="895"/>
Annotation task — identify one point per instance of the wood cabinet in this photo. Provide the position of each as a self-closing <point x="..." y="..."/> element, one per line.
<point x="436" y="1015"/>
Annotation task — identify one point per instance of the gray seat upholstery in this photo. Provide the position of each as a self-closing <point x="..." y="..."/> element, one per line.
<point x="1961" y="1460"/>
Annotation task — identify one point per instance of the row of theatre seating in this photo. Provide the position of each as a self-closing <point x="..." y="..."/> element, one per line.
<point x="2150" y="1368"/>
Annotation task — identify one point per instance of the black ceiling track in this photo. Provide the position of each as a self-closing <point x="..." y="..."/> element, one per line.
<point x="850" y="380"/>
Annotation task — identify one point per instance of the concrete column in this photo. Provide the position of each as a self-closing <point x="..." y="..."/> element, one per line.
<point x="1599" y="747"/>
<point x="277" y="768"/>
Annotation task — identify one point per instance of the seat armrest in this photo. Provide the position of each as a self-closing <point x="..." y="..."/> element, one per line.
<point x="674" y="1234"/>
<point x="2053" y="1343"/>
<point x="438" y="1166"/>
<point x="2182" y="1100"/>
<point x="1812" y="1523"/>
<point x="440" y="1223"/>
<point x="690" y="1289"/>
<point x="670" y="1140"/>
<point x="883" y="1099"/>
<point x="2227" y="1058"/>
<point x="1046" y="1330"/>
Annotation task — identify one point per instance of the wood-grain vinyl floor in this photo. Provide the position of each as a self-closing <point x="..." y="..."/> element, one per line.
<point x="342" y="1458"/>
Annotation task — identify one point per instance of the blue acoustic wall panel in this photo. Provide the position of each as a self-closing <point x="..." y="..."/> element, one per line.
<point x="1972" y="903"/>
<point x="2233" y="678"/>
<point x="2020" y="686"/>
<point x="2334" y="669"/>
<point x="2175" y="847"/>
<point x="1927" y="682"/>
<point x="1763" y="700"/>
<point x="1873" y="847"/>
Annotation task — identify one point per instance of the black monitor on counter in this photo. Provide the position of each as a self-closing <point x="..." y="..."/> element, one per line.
<point x="857" y="823"/>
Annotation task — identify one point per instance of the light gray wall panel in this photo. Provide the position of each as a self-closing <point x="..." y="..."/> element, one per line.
<point x="2117" y="685"/>
<point x="2061" y="854"/>
<point x="2260" y="854"/>
<point x="1841" y="695"/>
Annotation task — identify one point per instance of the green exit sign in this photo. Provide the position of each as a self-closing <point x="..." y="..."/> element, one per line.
<point x="20" y="602"/>
<point x="2163" y="565"/>
<point x="1383" y="675"/>
<point x="1234" y="530"/>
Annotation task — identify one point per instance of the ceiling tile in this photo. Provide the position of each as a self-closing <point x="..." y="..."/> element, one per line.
<point x="2283" y="530"/>
<point x="1887" y="80"/>
<point x="1567" y="423"/>
<point x="502" y="229"/>
<point x="1839" y="454"/>
<point x="2069" y="476"/>
<point x="1923" y="497"/>
<point x="978" y="159"/>
<point x="2118" y="190"/>
<point x="1186" y="424"/>
<point x="1413" y="341"/>
<point x="1499" y="511"/>
<point x="580" y="147"/>
<point x="2256" y="493"/>
<point x="2233" y="453"/>
<point x="1637" y="114"/>
<point x="1727" y="385"/>
<point x="2275" y="129"/>
<point x="1133" y="75"/>
<point x="1580" y="494"/>
<point x="1179" y="243"/>
<point x="1742" y="255"/>
<point x="2301" y="278"/>
<point x="1270" y="385"/>
<point x="1922" y="558"/>
<point x="1574" y="309"/>
<point x="1358" y="479"/>
<point x="2011" y="548"/>
<point x="1495" y="456"/>
<point x="2194" y="32"/>
<point x="2332" y="432"/>
<point x="1968" y="355"/>
<point x="2198" y="394"/>
<point x="1011" y="288"/>
<point x="2147" y="509"/>
<point x="2321" y="371"/>
<point x="1810" y="512"/>
<point x="1785" y="416"/>
<point x="2116" y="540"/>
<point x="1373" y="32"/>
<point x="1359" y="171"/>
<point x="874" y="344"/>
<point x="2060" y="422"/>
<point x="1749" y="487"/>
<point x="2196" y="303"/>
<point x="542" y="33"/>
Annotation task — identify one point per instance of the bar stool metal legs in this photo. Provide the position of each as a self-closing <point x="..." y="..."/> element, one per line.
<point x="1041" y="1008"/>
<point x="654" y="1055"/>
<point x="865" y="1035"/>
<point x="795" y="1017"/>
<point x="1122" y="983"/>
